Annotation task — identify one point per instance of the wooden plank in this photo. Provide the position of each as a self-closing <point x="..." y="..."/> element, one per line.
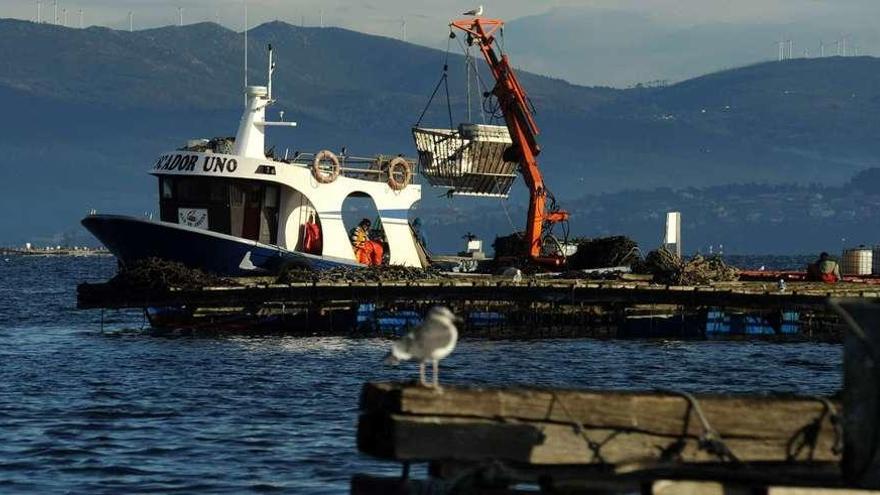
<point x="630" y="478"/>
<point x="761" y="418"/>
<point x="785" y="490"/>
<point x="685" y="487"/>
<point x="425" y="438"/>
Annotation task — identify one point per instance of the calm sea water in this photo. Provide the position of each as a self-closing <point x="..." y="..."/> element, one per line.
<point x="127" y="412"/>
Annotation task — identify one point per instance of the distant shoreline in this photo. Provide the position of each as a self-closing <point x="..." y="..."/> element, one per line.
<point x="54" y="252"/>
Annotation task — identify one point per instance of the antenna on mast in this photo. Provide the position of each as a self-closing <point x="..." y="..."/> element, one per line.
<point x="81" y="25"/>
<point x="271" y="71"/>
<point x="245" y="51"/>
<point x="130" y="21"/>
<point x="39" y="12"/>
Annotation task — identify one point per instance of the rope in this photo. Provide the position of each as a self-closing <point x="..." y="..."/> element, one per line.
<point x="448" y="101"/>
<point x="507" y="213"/>
<point x="467" y="70"/>
<point x="443" y="80"/>
<point x="710" y="441"/>
<point x="595" y="447"/>
<point x="808" y="436"/>
<point x="431" y="99"/>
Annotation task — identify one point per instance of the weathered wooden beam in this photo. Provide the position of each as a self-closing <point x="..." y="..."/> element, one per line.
<point x="799" y="490"/>
<point x="687" y="487"/>
<point x="861" y="394"/>
<point x="424" y="438"/>
<point x="771" y="428"/>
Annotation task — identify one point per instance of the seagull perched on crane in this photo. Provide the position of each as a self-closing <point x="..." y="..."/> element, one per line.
<point x="477" y="12"/>
<point x="432" y="340"/>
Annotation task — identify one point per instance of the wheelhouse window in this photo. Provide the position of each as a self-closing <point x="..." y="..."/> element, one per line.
<point x="241" y="208"/>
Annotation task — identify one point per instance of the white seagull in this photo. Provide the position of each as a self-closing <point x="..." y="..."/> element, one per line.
<point x="432" y="340"/>
<point x="477" y="12"/>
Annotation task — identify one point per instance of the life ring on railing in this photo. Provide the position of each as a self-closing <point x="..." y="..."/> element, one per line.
<point x="402" y="167"/>
<point x="322" y="175"/>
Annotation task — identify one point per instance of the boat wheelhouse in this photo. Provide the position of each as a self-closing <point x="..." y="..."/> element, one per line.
<point x="229" y="207"/>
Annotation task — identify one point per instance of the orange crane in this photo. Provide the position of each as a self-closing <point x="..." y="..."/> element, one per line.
<point x="524" y="132"/>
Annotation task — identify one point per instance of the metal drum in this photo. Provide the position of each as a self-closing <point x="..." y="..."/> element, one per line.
<point x="856" y="261"/>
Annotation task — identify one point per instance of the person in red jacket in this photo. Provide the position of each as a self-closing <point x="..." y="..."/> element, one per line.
<point x="824" y="269"/>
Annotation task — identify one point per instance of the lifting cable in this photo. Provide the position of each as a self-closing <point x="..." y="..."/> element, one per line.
<point x="494" y="111"/>
<point x="444" y="80"/>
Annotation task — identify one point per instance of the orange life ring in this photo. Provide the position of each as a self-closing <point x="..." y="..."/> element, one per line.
<point x="326" y="176"/>
<point x="399" y="165"/>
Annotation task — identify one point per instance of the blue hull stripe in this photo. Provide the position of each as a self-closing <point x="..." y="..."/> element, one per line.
<point x="132" y="239"/>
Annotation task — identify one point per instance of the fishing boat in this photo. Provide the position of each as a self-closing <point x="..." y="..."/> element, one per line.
<point x="229" y="207"/>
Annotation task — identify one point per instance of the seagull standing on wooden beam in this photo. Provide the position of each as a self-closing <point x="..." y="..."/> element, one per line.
<point x="477" y="12"/>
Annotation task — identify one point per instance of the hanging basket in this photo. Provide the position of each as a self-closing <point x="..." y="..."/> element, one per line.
<point x="469" y="160"/>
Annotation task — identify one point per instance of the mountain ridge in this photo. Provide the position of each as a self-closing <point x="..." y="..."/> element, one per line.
<point x="101" y="103"/>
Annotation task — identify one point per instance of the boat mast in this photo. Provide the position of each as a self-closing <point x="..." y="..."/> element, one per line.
<point x="271" y="71"/>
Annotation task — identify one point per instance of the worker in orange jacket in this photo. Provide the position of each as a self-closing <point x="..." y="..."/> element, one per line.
<point x="366" y="250"/>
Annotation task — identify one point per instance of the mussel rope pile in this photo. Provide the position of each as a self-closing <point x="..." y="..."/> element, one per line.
<point x="604" y="252"/>
<point x="155" y="273"/>
<point x="358" y="274"/>
<point x="668" y="268"/>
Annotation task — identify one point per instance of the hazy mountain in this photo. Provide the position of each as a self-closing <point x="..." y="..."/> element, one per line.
<point x="89" y="109"/>
<point x="595" y="46"/>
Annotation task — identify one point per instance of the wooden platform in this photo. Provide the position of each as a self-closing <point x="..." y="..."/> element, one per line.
<point x="495" y="308"/>
<point x="564" y="292"/>
<point x="571" y="441"/>
<point x="570" y="427"/>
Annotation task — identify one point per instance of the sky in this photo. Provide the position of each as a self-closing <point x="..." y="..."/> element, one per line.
<point x="384" y="16"/>
<point x="425" y="23"/>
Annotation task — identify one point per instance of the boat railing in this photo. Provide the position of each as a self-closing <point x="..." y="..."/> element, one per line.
<point x="375" y="168"/>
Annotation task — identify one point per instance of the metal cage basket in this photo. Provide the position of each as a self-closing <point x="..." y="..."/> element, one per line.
<point x="468" y="160"/>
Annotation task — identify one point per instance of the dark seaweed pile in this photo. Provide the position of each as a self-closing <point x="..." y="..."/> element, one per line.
<point x="156" y="273"/>
<point x="668" y="268"/>
<point x="358" y="274"/>
<point x="604" y="252"/>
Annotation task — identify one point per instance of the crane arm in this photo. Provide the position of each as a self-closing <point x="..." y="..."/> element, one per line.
<point x="522" y="128"/>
